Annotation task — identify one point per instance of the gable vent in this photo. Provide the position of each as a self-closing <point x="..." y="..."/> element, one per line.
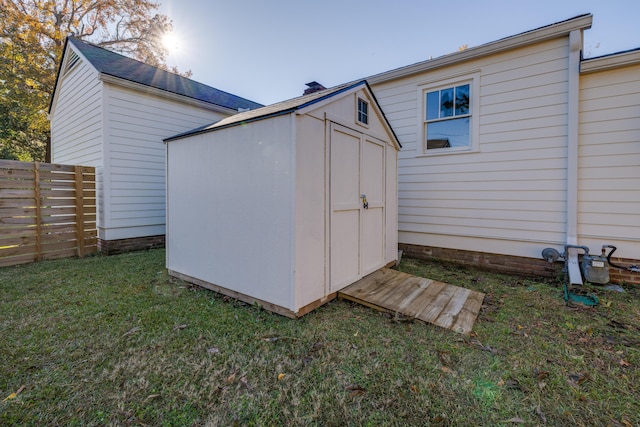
<point x="71" y="61"/>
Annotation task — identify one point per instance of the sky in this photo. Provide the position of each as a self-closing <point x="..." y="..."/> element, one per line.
<point x="266" y="50"/>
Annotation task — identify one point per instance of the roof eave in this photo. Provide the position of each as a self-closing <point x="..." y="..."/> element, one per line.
<point x="108" y="78"/>
<point x="209" y="128"/>
<point x="314" y="102"/>
<point x="55" y="86"/>
<point x="608" y="62"/>
<point x="354" y="87"/>
<point x="548" y="32"/>
<point x="318" y="102"/>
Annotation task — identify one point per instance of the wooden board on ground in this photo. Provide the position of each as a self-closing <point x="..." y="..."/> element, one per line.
<point x="441" y="304"/>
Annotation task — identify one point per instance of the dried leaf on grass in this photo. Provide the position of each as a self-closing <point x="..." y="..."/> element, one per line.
<point x="488" y="348"/>
<point x="513" y="384"/>
<point x="14" y="395"/>
<point x="231" y="378"/>
<point x="274" y="338"/>
<point x="243" y="381"/>
<point x="131" y="331"/>
<point x="541" y="414"/>
<point x="515" y="420"/>
<point x="446" y="370"/>
<point x="355" y="390"/>
<point x="316" y="346"/>
<point x="179" y="327"/>
<point x="541" y="375"/>
<point x="444" y="357"/>
<point x="281" y="376"/>
<point x="576" y="380"/>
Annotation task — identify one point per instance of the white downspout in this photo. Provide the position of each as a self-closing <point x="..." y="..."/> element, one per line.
<point x="575" y="54"/>
<point x="573" y="117"/>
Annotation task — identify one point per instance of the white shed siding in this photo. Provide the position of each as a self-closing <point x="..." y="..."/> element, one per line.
<point x="310" y="223"/>
<point x="138" y="123"/>
<point x="609" y="155"/>
<point x="76" y="120"/>
<point x="509" y="196"/>
<point x="257" y="232"/>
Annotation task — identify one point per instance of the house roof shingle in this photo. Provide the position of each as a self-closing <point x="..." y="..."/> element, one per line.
<point x="116" y="65"/>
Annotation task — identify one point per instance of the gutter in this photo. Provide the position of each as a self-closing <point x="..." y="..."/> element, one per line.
<point x="559" y="29"/>
<point x="611" y="61"/>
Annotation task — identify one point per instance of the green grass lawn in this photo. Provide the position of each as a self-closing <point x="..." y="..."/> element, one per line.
<point x="116" y="341"/>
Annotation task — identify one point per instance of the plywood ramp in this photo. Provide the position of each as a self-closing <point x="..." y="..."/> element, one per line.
<point x="441" y="304"/>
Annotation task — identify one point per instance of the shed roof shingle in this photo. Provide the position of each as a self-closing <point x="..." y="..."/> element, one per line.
<point x="272" y="110"/>
<point x="284" y="107"/>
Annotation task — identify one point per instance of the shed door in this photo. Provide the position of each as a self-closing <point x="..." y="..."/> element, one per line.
<point x="356" y="233"/>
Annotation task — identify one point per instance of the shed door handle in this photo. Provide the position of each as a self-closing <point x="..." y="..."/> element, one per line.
<point x="365" y="204"/>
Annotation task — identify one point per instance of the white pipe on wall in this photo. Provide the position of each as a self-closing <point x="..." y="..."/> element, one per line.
<point x="573" y="91"/>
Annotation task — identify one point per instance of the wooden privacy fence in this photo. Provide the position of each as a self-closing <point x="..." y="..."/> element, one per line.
<point x="47" y="211"/>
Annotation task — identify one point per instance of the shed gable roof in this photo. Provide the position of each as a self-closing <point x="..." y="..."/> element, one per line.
<point x="119" y="66"/>
<point x="285" y="107"/>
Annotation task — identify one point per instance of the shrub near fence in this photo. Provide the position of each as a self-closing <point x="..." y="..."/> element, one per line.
<point x="47" y="211"/>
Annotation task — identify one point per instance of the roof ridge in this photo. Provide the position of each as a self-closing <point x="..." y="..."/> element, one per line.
<point x="122" y="66"/>
<point x="113" y="52"/>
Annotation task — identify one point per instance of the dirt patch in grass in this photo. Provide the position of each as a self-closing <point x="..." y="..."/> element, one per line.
<point x="114" y="340"/>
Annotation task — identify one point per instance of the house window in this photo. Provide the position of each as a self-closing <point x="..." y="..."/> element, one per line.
<point x="448" y="118"/>
<point x="363" y="111"/>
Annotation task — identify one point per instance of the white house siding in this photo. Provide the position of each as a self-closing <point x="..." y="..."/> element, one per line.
<point x="230" y="223"/>
<point x="509" y="196"/>
<point x="77" y="124"/>
<point x="135" y="154"/>
<point x="609" y="159"/>
<point x="76" y="121"/>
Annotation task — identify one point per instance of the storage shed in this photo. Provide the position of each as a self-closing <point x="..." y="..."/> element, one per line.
<point x="113" y="112"/>
<point x="285" y="205"/>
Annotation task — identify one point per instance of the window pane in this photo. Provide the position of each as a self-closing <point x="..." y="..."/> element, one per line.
<point x="433" y="105"/>
<point x="462" y="100"/>
<point x="446" y="102"/>
<point x="363" y="111"/>
<point x="448" y="133"/>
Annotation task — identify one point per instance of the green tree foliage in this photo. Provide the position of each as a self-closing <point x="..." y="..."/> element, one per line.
<point x="32" y="35"/>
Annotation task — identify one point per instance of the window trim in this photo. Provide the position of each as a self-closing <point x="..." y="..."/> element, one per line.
<point x="470" y="78"/>
<point x="360" y="99"/>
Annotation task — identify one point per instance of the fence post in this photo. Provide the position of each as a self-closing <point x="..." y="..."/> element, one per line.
<point x="79" y="211"/>
<point x="36" y="186"/>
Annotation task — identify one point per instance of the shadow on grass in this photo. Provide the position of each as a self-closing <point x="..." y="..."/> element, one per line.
<point x="115" y="340"/>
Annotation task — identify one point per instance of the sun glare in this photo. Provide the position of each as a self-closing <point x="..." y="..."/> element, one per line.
<point x="171" y="42"/>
